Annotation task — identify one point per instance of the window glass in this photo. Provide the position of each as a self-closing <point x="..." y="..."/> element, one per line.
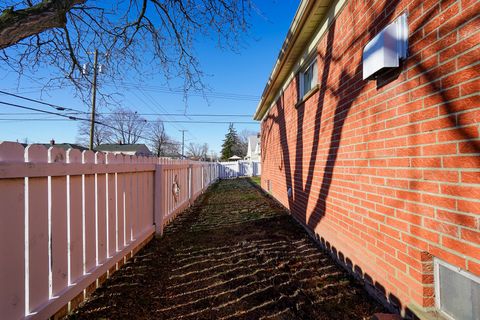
<point x="308" y="79"/>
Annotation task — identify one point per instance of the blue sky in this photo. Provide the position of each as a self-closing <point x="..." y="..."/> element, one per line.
<point x="244" y="72"/>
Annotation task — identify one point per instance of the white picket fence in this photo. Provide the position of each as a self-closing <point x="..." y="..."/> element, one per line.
<point x="66" y="217"/>
<point x="235" y="169"/>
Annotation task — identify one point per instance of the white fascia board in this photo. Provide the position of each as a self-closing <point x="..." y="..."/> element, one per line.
<point x="333" y="12"/>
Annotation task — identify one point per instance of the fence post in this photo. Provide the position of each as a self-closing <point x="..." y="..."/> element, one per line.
<point x="159" y="200"/>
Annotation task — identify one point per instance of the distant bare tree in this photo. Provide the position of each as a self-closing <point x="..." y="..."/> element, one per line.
<point x="134" y="33"/>
<point x="213" y="156"/>
<point x="101" y="134"/>
<point x="161" y="144"/>
<point x="197" y="151"/>
<point x="125" y="126"/>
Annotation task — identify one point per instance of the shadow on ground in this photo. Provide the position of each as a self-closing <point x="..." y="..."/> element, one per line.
<point x="235" y="254"/>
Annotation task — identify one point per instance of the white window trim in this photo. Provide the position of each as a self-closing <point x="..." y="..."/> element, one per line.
<point x="333" y="12"/>
<point x="301" y="78"/>
<point x="436" y="270"/>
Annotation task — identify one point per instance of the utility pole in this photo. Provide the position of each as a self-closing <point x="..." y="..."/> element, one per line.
<point x="94" y="98"/>
<point x="183" y="143"/>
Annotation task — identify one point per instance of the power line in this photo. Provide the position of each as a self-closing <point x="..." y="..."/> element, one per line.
<point x="212" y="94"/>
<point x="162" y="89"/>
<point x="66" y="118"/>
<point x="42" y="111"/>
<point x="56" y="107"/>
<point x="165" y="121"/>
<point x="151" y="114"/>
<point x="156" y="104"/>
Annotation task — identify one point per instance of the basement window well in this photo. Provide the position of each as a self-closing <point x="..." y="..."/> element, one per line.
<point x="457" y="292"/>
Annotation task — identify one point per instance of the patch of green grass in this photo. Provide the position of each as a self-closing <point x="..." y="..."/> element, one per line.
<point x="256" y="180"/>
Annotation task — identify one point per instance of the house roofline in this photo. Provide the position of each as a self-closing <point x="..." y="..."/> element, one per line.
<point x="310" y="13"/>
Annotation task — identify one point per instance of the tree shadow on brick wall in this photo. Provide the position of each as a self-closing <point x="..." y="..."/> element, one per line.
<point x="350" y="85"/>
<point x="345" y="96"/>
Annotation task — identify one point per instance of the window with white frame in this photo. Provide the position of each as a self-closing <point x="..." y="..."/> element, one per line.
<point x="457" y="292"/>
<point x="307" y="79"/>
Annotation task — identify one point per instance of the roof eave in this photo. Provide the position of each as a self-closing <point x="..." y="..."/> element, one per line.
<point x="305" y="11"/>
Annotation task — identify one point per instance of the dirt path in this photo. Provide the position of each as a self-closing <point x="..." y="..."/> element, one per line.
<point x="234" y="255"/>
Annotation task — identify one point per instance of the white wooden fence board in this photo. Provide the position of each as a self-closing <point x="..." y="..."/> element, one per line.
<point x="12" y="244"/>
<point x="90" y="242"/>
<point x="82" y="212"/>
<point x="12" y="249"/>
<point x="100" y="214"/>
<point x="75" y="219"/>
<point x="120" y="211"/>
<point x="111" y="214"/>
<point x="88" y="215"/>
<point x="128" y="208"/>
<point x="58" y="221"/>
<point x="235" y="169"/>
<point x="134" y="208"/>
<point x="37" y="205"/>
<point x="76" y="229"/>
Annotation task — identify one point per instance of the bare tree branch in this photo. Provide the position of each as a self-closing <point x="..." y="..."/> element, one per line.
<point x="141" y="38"/>
<point x="16" y="25"/>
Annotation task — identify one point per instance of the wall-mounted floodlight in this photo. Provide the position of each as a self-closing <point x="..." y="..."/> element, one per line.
<point x="387" y="48"/>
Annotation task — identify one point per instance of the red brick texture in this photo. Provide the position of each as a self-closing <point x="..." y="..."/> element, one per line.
<point x="387" y="171"/>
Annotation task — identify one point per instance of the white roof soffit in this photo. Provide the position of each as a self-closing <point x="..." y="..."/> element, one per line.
<point x="308" y="17"/>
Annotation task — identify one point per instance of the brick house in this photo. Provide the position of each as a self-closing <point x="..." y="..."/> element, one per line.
<point x="384" y="172"/>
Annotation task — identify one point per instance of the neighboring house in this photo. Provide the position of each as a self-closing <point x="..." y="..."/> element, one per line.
<point x="138" y="149"/>
<point x="383" y="171"/>
<point x="64" y="146"/>
<point x="253" y="149"/>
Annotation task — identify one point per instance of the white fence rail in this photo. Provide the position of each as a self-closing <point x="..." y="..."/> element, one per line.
<point x="67" y="217"/>
<point x="235" y="169"/>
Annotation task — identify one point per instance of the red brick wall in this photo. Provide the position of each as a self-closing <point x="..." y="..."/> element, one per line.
<point x="388" y="171"/>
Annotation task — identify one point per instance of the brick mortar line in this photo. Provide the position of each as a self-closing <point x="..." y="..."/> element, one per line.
<point x="400" y="239"/>
<point x="456" y="253"/>
<point x="441" y="157"/>
<point x="414" y="202"/>
<point x="398" y="116"/>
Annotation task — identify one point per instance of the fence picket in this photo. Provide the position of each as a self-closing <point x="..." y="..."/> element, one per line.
<point x="101" y="210"/>
<point x="74" y="157"/>
<point x="37" y="224"/>
<point x="89" y="222"/>
<point x="58" y="225"/>
<point x="111" y="208"/>
<point x="72" y="213"/>
<point x="120" y="205"/>
<point x="12" y="228"/>
<point x="128" y="207"/>
<point x="134" y="208"/>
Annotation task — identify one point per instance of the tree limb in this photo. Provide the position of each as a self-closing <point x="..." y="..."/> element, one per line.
<point x="16" y="25"/>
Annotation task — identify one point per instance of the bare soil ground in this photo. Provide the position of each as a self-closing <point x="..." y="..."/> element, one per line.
<point x="235" y="254"/>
